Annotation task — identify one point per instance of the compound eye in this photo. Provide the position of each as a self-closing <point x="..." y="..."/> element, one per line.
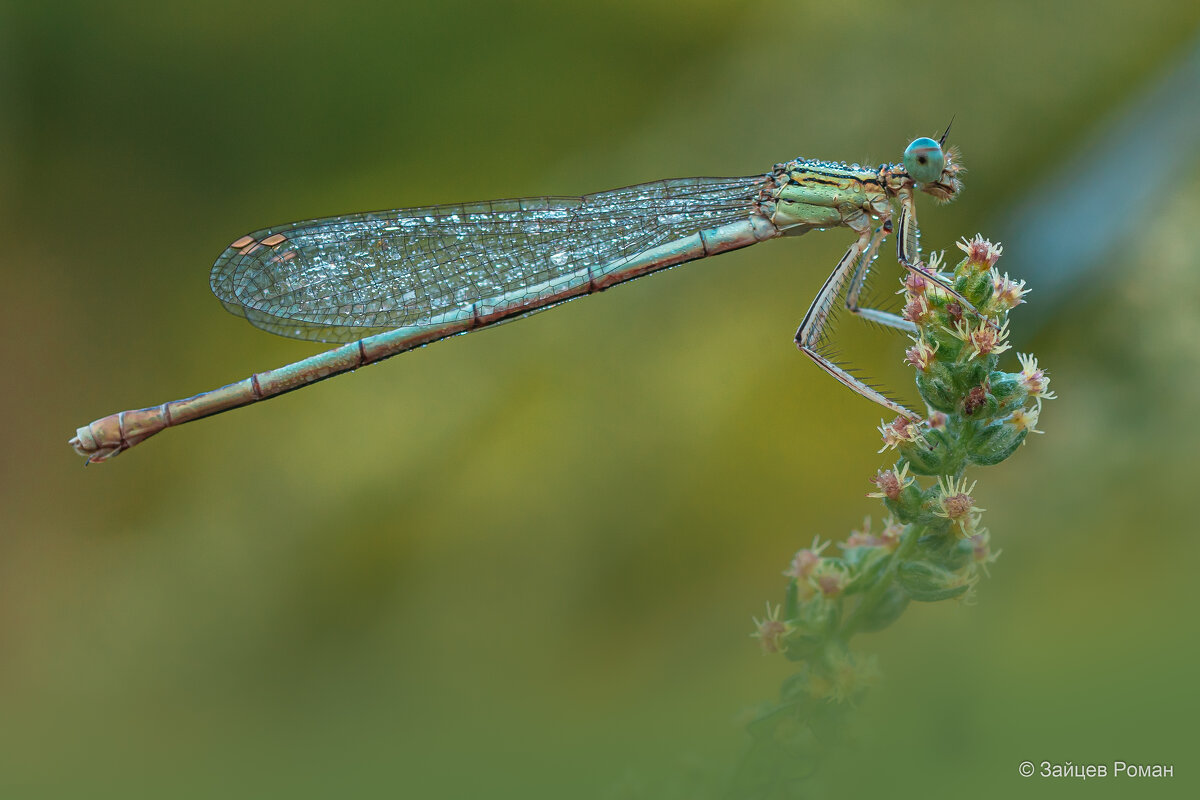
<point x="924" y="160"/>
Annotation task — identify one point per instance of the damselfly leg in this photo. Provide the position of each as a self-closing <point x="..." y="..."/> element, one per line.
<point x="811" y="333"/>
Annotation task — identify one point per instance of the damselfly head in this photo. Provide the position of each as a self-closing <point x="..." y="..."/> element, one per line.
<point x="932" y="169"/>
<point x="924" y="159"/>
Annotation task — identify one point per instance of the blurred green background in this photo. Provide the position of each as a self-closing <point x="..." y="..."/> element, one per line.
<point x="522" y="563"/>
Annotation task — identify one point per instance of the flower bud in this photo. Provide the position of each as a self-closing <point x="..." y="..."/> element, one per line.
<point x="921" y="354"/>
<point x="1007" y="294"/>
<point x="891" y="482"/>
<point x="770" y="631"/>
<point x="982" y="339"/>
<point x="831" y="577"/>
<point x="917" y="311"/>
<point x="956" y="504"/>
<point x="981" y="551"/>
<point x="982" y="255"/>
<point x="899" y="431"/>
<point x="806" y="560"/>
<point x="907" y="505"/>
<point x="980" y="403"/>
<point x="1033" y="379"/>
<point x="1026" y="419"/>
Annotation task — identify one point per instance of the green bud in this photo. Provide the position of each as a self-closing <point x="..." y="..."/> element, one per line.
<point x="795" y="687"/>
<point x="791" y="600"/>
<point x="975" y="286"/>
<point x="973" y="373"/>
<point x="937" y="527"/>
<point x="932" y="456"/>
<point x="1007" y="388"/>
<point x="937" y="388"/>
<point x="809" y="630"/>
<point x="886" y="611"/>
<point x="948" y="552"/>
<point x="948" y="345"/>
<point x="867" y="565"/>
<point x="927" y="583"/>
<point x="802" y="646"/>
<point x="994" y="443"/>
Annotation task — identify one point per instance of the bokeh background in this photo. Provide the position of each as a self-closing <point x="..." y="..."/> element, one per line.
<point x="522" y="563"/>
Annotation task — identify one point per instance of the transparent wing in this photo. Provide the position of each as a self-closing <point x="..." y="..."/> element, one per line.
<point x="344" y="278"/>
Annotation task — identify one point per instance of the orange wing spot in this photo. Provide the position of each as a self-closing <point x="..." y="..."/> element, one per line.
<point x="250" y="248"/>
<point x="274" y="239"/>
<point x="242" y="242"/>
<point x="288" y="256"/>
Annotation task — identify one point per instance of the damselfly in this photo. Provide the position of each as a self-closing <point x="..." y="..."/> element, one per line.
<point x="391" y="281"/>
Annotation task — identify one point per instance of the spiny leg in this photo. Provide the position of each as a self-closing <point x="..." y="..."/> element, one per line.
<point x="908" y="253"/>
<point x="908" y="245"/>
<point x="813" y="326"/>
<point x="858" y="282"/>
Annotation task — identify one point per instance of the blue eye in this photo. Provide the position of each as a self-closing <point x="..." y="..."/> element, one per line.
<point x="924" y="160"/>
